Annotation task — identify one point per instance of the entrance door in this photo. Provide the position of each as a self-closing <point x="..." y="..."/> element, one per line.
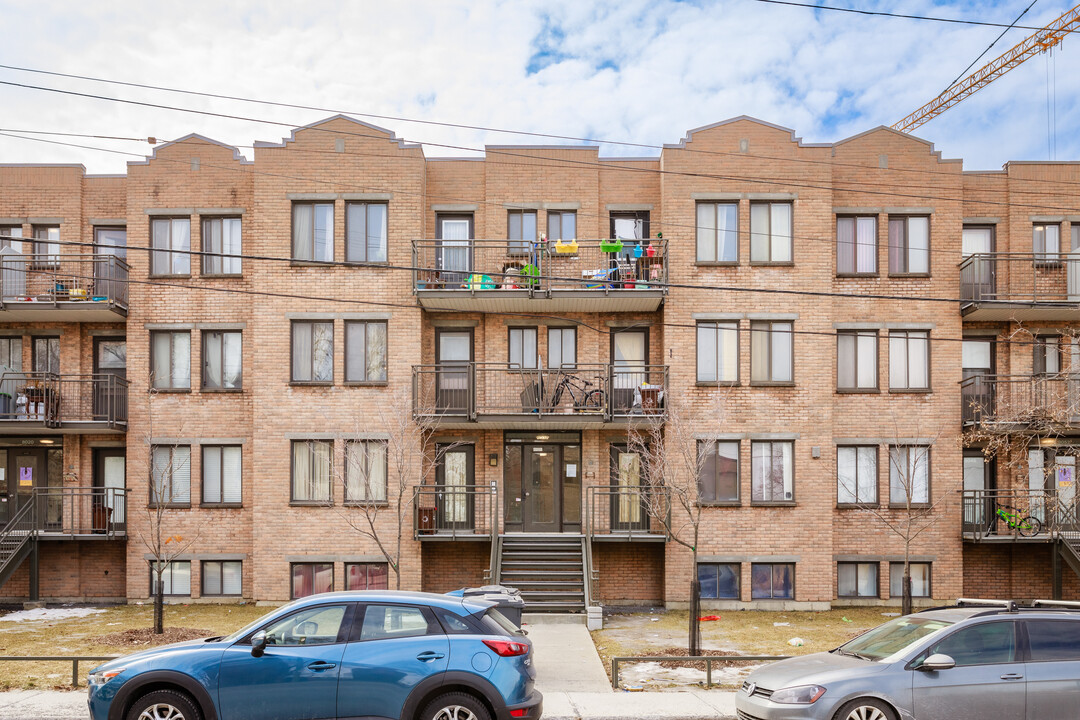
<point x="541" y="484"/>
<point x="977" y="280"/>
<point x="977" y="361"/>
<point x="454" y="353"/>
<point x="111" y="476"/>
<point x="455" y="476"/>
<point x="110" y="366"/>
<point x="978" y="478"/>
<point x="453" y="254"/>
<point x="26" y="470"/>
<point x="628" y="356"/>
<point x="1064" y="491"/>
<point x="7" y="490"/>
<point x="627" y="490"/>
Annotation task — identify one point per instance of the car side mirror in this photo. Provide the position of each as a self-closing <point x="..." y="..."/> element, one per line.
<point x="937" y="661"/>
<point x="258" y="643"/>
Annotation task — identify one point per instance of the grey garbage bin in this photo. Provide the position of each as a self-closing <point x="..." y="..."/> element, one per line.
<point x="507" y="600"/>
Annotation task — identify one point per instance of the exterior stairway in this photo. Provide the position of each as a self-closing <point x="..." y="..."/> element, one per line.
<point x="1069" y="547"/>
<point x="17" y="539"/>
<point x="549" y="570"/>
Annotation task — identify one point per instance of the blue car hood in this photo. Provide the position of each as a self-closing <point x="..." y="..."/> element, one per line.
<point x="150" y="654"/>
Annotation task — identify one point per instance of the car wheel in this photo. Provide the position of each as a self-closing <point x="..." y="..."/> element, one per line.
<point x="164" y="705"/>
<point x="455" y="706"/>
<point x="865" y="709"/>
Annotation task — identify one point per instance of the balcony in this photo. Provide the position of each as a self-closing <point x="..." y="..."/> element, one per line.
<point x="62" y="288"/>
<point x="627" y="513"/>
<point x="1020" y="287"/>
<point x="1057" y="515"/>
<point x="509" y="276"/>
<point x="466" y="512"/>
<point x="33" y="402"/>
<point x="1008" y="402"/>
<point x="501" y="395"/>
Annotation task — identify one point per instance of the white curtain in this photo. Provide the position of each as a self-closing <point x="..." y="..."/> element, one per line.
<point x="303" y="216"/>
<point x="181" y="359"/>
<point x="323" y="249"/>
<point x="230" y="246"/>
<point x="232" y="371"/>
<point x="781" y="232"/>
<point x="455" y="477"/>
<point x="866" y="245"/>
<point x="918" y="245"/>
<point x="455" y="247"/>
<point x="181" y="246"/>
<point x="376" y="233"/>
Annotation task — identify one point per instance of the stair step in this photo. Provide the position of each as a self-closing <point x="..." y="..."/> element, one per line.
<point x="542" y="594"/>
<point x="525" y="585"/>
<point x="517" y="576"/>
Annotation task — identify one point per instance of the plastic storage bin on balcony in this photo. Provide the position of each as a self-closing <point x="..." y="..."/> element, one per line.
<point x="611" y="246"/>
<point x="507" y="600"/>
<point x="566" y="248"/>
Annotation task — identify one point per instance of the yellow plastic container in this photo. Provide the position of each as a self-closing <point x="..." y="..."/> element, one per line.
<point x="566" y="248"/>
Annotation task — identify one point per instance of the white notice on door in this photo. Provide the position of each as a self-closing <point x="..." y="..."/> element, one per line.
<point x="571" y="470"/>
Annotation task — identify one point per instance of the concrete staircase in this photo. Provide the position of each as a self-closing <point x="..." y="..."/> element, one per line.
<point x="548" y="569"/>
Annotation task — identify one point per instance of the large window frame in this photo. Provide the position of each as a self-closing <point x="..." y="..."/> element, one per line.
<point x="226" y="349"/>
<point x="557" y="224"/>
<point x="855" y="349"/>
<point x="11" y="352"/>
<point x="904" y="348"/>
<point x="771" y="243"/>
<point x="862" y="489"/>
<point x="366" y="472"/>
<point x="906" y="257"/>
<point x="722" y="337"/>
<point x="717" y="224"/>
<point x="712" y="477"/>
<point x="219" y="490"/>
<point x="47" y="248"/>
<point x="170" y="240"/>
<point x="210" y="568"/>
<point x="178" y="376"/>
<point x="169" y="579"/>
<point x="916" y="461"/>
<point x="757" y="573"/>
<point x="318" y="456"/>
<point x="856" y="246"/>
<point x="1046" y="243"/>
<point x="12" y="236"/>
<point x="307" y="247"/>
<point x="359" y="218"/>
<point x="363" y="368"/>
<point x="1046" y="355"/>
<point x="314" y="569"/>
<point x="298" y="362"/>
<point x="710" y="580"/>
<point x="763" y="459"/>
<point x="896" y="579"/>
<point x="170" y="476"/>
<point x="222" y="246"/>
<point x="522" y="230"/>
<point x="562" y="348"/>
<point x="764" y="335"/>
<point x="862" y="573"/>
<point x="523" y="348"/>
<point x="45" y="354"/>
<point x="370" y="573"/>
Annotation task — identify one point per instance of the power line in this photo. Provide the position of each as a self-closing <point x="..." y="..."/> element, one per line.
<point x="81" y="135"/>
<point x="989" y="47"/>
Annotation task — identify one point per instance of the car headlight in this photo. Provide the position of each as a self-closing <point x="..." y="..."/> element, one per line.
<point x="103" y="676"/>
<point x="799" y="695"/>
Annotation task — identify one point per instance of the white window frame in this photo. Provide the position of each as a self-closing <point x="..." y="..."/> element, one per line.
<point x="762" y="463"/>
<point x="908" y="348"/>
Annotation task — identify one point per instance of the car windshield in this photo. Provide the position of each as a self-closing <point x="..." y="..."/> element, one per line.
<point x="892" y="637"/>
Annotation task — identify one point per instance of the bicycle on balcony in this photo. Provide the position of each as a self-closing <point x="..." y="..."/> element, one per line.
<point x="1026" y="526"/>
<point x="582" y="398"/>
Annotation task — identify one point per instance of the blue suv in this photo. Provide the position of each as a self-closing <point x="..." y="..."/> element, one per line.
<point x="375" y="654"/>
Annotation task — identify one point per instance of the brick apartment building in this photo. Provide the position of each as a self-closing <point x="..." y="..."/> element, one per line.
<point x="934" y="309"/>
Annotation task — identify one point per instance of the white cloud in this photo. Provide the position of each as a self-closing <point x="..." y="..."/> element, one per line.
<point x="639" y="71"/>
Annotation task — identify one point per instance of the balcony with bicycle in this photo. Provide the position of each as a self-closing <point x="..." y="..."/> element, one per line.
<point x="1018" y="515"/>
<point x="507" y="396"/>
<point x="1004" y="403"/>
<point x="62" y="288"/>
<point x="556" y="276"/>
<point x="33" y="402"/>
<point x="1013" y="287"/>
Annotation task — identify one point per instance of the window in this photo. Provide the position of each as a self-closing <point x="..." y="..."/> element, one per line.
<point x="171" y="240"/>
<point x="909" y="475"/>
<point x="856" y="580"/>
<point x="170" y="475"/>
<point x="311" y="579"/>
<point x="222" y="360"/>
<point x="718" y="352"/>
<point x="909" y="245"/>
<point x="365" y="232"/>
<point x="319" y="625"/>
<point x="909" y="360"/>
<point x="562" y="347"/>
<point x="987" y="643"/>
<point x="773" y="471"/>
<point x="47" y="245"/>
<point x="8" y="235"/>
<point x="630" y="225"/>
<point x="365" y="351"/>
<point x="365" y="471"/>
<point x="1046" y="242"/>
<point x="170" y="353"/>
<point x="718" y="232"/>
<point x="175" y="578"/>
<point x="1047" y="355"/>
<point x="313" y="352"/>
<point x="719" y="581"/>
<point x="1053" y="640"/>
<point x="111" y="241"/>
<point x="856" y="245"/>
<point x="562" y="225"/>
<point x="222" y="577"/>
<point x="221" y="236"/>
<point x="771" y="352"/>
<point x="521" y="229"/>
<point x="221" y="471"/>
<point x="366" y="576"/>
<point x="382" y="622"/>
<point x="46" y="355"/>
<point x="770" y="232"/>
<point x="313" y="232"/>
<point x="719" y="471"/>
<point x="856" y="360"/>
<point x="11" y="352"/>
<point x="856" y="475"/>
<point x="311" y="471"/>
<point x="772" y="581"/>
<point x="522" y="348"/>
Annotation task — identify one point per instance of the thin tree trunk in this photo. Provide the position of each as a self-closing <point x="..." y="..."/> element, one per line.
<point x="159" y="607"/>
<point x="695" y="613"/>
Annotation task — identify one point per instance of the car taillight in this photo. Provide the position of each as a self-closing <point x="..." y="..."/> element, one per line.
<point x="520" y="712"/>
<point x="507" y="648"/>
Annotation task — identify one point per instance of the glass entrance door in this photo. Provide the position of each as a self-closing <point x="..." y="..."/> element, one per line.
<point x="978" y="478"/>
<point x="629" y="350"/>
<point x="455" y="476"/>
<point x="110" y="361"/>
<point x="627" y="486"/>
<point x="541" y="487"/>
<point x="454" y="352"/>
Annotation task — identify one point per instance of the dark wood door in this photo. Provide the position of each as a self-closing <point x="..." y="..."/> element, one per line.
<point x="455" y="474"/>
<point x="110" y="372"/>
<point x="541" y="480"/>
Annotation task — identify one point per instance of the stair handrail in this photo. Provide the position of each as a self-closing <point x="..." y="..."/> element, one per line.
<point x="493" y="560"/>
<point x="587" y="536"/>
<point x="23" y="522"/>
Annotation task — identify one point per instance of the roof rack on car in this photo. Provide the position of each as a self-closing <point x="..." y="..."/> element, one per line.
<point x="1056" y="603"/>
<point x="1009" y="605"/>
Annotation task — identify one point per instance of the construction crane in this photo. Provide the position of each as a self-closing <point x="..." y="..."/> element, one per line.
<point x="1039" y="42"/>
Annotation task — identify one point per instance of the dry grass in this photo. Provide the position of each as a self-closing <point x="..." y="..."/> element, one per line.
<point x="102" y="634"/>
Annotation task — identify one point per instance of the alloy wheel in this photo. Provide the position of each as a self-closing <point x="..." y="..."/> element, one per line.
<point x="450" y="712"/>
<point x="863" y="712"/>
<point x="162" y="711"/>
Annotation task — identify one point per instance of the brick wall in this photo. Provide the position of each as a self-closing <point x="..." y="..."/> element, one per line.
<point x="1015" y="572"/>
<point x="630" y="573"/>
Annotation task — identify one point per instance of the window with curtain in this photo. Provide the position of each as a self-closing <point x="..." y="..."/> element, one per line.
<point x="1046" y="242"/>
<point x="920" y="579"/>
<point x="717" y="232"/>
<point x="365" y="232"/>
<point x="718" y="468"/>
<point x="909" y="475"/>
<point x="719" y="581"/>
<point x="857" y="475"/>
<point x="909" y="245"/>
<point x="11" y="353"/>
<point x="718" y="352"/>
<point x="856" y="245"/>
<point x="170" y="475"/>
<point x="522" y="352"/>
<point x="562" y="224"/>
<point x="221" y="236"/>
<point x="773" y="471"/>
<point x="175" y="578"/>
<point x="312" y="579"/>
<point x="222" y="360"/>
<point x="1047" y="355"/>
<point x="367" y="576"/>
<point x="47" y="245"/>
<point x="772" y="581"/>
<point x="365" y="351"/>
<point x="170" y="357"/>
<point x="562" y="347"/>
<point x="313" y="352"/>
<point x="365" y="471"/>
<point x="46" y="354"/>
<point x="771" y="352"/>
<point x="770" y="232"/>
<point x="909" y="360"/>
<point x="311" y="471"/>
<point x="857" y="580"/>
<point x="222" y="474"/>
<point x="170" y="239"/>
<point x="856" y="360"/>
<point x="313" y="231"/>
<point x="521" y="229"/>
<point x="222" y="578"/>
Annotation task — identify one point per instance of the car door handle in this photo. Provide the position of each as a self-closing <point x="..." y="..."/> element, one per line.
<point x="321" y="665"/>
<point x="430" y="655"/>
<point x="1012" y="676"/>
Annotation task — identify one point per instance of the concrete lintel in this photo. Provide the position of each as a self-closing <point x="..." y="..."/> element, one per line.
<point x="170" y="211"/>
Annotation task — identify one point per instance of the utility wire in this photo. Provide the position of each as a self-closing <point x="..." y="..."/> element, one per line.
<point x="988" y="48"/>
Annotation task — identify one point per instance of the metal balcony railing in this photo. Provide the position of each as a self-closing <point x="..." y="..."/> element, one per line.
<point x="601" y="265"/>
<point x="1021" y="277"/>
<point x="1058" y="515"/>
<point x="455" y="512"/>
<point x="58" y="399"/>
<point x="73" y="511"/>
<point x="627" y="511"/>
<point x="63" y="278"/>
<point x="1052" y="400"/>
<point x="469" y="390"/>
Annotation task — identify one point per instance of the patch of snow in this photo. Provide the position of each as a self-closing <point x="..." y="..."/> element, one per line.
<point x="653" y="674"/>
<point x="43" y="614"/>
<point x="780" y="624"/>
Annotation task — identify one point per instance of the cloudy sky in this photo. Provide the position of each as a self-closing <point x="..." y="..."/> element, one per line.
<point x="642" y="71"/>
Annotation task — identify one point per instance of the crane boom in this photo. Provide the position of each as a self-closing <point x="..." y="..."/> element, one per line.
<point x="1040" y="41"/>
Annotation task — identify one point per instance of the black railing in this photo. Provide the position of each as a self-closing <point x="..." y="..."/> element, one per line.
<point x="56" y="399"/>
<point x="627" y="510"/>
<point x="64" y="278"/>
<point x="455" y="511"/>
<point x="1057" y="515"/>
<point x="1051" y="277"/>
<point x="1021" y="399"/>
